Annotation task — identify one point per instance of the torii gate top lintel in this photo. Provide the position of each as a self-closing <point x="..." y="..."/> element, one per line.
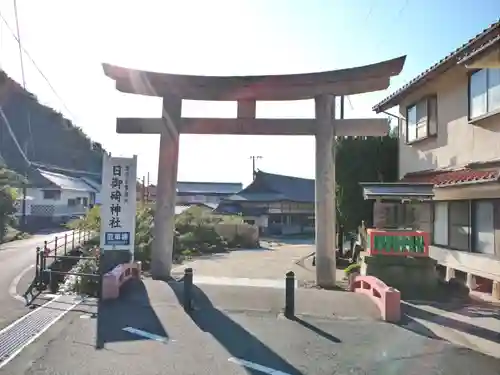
<point x="350" y="81"/>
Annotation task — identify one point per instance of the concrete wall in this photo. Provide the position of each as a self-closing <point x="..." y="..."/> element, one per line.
<point x="229" y="231"/>
<point x="458" y="142"/>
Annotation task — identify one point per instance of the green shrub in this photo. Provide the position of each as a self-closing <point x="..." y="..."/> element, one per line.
<point x="83" y="284"/>
<point x="355" y="267"/>
<point x="91" y="221"/>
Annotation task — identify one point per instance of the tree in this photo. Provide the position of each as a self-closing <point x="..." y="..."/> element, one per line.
<point x="362" y="159"/>
<point x="8" y="179"/>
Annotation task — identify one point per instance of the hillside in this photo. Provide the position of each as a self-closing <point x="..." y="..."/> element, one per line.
<point x="54" y="141"/>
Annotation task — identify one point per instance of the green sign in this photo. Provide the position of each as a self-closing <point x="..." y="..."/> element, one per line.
<point x="398" y="244"/>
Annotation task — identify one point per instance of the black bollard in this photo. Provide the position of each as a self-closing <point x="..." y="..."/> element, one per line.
<point x="37" y="268"/>
<point x="99" y="344"/>
<point x="188" y="290"/>
<point x="290" y="295"/>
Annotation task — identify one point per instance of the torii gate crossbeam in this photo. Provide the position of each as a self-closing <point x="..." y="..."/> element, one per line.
<point x="323" y="87"/>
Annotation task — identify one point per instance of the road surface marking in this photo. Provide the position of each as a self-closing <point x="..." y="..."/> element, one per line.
<point x="13" y="285"/>
<point x="256" y="366"/>
<point x="241" y="281"/>
<point x="11" y="356"/>
<point x="148" y="335"/>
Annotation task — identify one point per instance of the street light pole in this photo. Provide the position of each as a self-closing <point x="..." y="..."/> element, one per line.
<point x="254" y="171"/>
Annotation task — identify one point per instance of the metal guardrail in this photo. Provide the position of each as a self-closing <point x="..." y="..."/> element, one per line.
<point x="56" y="249"/>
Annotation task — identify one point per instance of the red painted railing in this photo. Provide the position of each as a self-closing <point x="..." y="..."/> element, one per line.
<point x="114" y="279"/>
<point x="387" y="299"/>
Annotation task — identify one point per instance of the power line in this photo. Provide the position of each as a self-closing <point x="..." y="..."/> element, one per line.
<point x="30" y="132"/>
<point x="398" y="15"/>
<point x="370" y="11"/>
<point x="36" y="66"/>
<point x="19" y="44"/>
<point x="367" y="17"/>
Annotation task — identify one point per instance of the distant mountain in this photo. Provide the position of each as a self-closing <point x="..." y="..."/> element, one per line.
<point x="47" y="139"/>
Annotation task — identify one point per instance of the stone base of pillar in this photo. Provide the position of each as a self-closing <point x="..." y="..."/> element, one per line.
<point x="160" y="269"/>
<point x="450" y="273"/>
<point x="471" y="281"/>
<point x="112" y="258"/>
<point x="326" y="272"/>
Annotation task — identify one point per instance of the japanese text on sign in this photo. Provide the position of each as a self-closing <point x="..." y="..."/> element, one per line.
<point x="118" y="196"/>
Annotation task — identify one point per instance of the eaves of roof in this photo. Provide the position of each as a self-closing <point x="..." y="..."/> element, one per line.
<point x="440" y="67"/>
<point x="464" y="176"/>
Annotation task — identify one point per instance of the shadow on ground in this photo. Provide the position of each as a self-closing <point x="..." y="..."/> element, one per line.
<point x="410" y="312"/>
<point x="467" y="307"/>
<point x="233" y="337"/>
<point x="138" y="314"/>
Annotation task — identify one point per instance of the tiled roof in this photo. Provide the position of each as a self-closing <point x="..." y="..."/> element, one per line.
<point x="208" y="187"/>
<point x="66" y="182"/>
<point x="456" y="177"/>
<point x="484" y="37"/>
<point x="199" y="188"/>
<point x="257" y="197"/>
<point x="269" y="187"/>
<point x="236" y="209"/>
<point x="294" y="188"/>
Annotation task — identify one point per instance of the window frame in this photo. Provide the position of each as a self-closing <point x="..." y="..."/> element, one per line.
<point x="472" y="226"/>
<point x="488" y="112"/>
<point x="55" y="197"/>
<point x="427" y="99"/>
<point x="433" y="216"/>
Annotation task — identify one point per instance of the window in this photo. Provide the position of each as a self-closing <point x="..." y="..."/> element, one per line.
<point x="465" y="225"/>
<point x="440" y="224"/>
<point x="484" y="92"/>
<point x="459" y="225"/>
<point x="484" y="237"/>
<point x="421" y="119"/>
<point x="52" y="194"/>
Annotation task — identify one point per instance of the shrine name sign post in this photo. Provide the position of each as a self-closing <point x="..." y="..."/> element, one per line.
<point x="118" y="210"/>
<point x="399" y="243"/>
<point x="323" y="87"/>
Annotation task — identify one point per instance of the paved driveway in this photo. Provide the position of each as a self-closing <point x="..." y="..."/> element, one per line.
<point x="257" y="264"/>
<point x="220" y="338"/>
<point x="15" y="258"/>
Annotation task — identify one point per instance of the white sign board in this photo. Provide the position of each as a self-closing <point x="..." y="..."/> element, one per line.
<point x="118" y="203"/>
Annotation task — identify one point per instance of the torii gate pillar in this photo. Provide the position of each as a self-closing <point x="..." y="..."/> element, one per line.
<point x="246" y="90"/>
<point x="325" y="213"/>
<point x="166" y="195"/>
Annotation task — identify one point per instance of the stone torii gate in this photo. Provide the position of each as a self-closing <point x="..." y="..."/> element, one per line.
<point x="323" y="87"/>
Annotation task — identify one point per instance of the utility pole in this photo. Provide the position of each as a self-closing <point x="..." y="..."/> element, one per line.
<point x="342" y="105"/>
<point x="147" y="189"/>
<point x="254" y="170"/>
<point x="143" y="189"/>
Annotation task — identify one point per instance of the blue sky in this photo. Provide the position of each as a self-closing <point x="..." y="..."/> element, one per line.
<point x="69" y="39"/>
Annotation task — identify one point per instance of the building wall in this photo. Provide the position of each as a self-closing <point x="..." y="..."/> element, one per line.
<point x="468" y="239"/>
<point x="199" y="198"/>
<point x="38" y="206"/>
<point x="458" y="142"/>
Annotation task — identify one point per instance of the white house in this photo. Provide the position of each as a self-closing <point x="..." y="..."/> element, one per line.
<point x="63" y="197"/>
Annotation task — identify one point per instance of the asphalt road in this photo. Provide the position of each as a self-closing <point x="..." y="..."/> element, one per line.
<point x="15" y="259"/>
<point x="220" y="340"/>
